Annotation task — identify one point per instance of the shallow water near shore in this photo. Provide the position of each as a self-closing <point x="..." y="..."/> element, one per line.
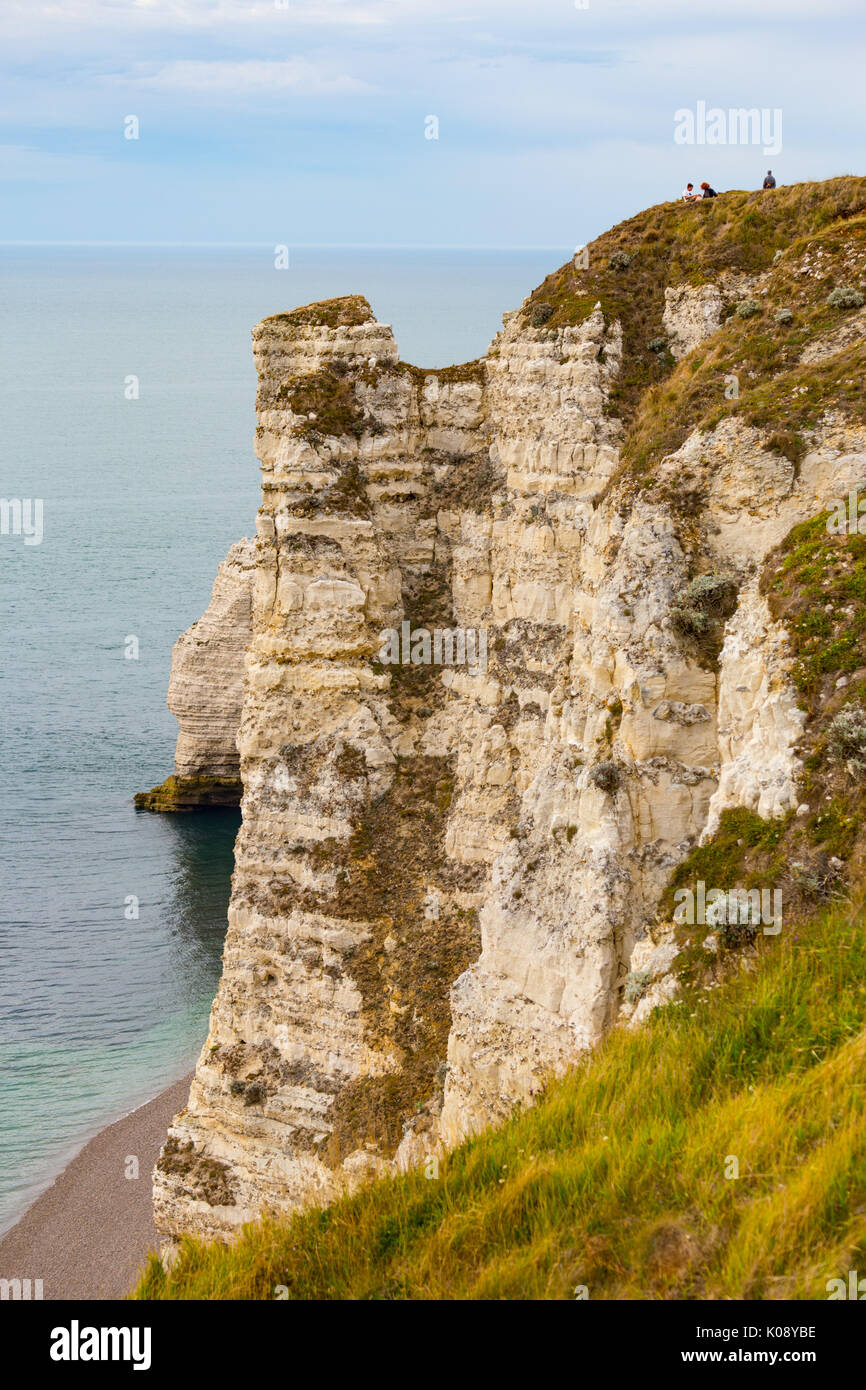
<point x="101" y="1008"/>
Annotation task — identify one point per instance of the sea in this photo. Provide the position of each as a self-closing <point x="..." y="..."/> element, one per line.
<point x="127" y="421"/>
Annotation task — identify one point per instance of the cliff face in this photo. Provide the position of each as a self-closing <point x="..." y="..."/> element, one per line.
<point x="205" y="694"/>
<point x="446" y="873"/>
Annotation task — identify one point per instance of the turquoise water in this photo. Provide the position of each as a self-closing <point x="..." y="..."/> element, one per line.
<point x="142" y="499"/>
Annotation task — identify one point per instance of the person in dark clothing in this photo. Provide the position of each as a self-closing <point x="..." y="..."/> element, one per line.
<point x="769" y="181"/>
<point x="707" y="192"/>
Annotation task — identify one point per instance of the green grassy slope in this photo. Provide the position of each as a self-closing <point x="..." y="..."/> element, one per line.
<point x="617" y="1180"/>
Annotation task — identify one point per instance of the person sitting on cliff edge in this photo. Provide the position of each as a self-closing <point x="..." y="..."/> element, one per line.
<point x="689" y="194"/>
<point x="769" y="181"/>
<point x="707" y="192"/>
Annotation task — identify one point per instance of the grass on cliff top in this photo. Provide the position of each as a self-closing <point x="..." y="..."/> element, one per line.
<point x="616" y="1180"/>
<point x="348" y="311"/>
<point x="676" y="243"/>
<point x="776" y="393"/>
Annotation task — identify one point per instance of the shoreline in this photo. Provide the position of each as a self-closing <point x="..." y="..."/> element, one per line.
<point x="87" y="1235"/>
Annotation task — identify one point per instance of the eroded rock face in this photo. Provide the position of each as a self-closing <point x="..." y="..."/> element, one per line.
<point x="692" y="313"/>
<point x="760" y="721"/>
<point x="349" y="920"/>
<point x="444" y="878"/>
<point x="206" y="690"/>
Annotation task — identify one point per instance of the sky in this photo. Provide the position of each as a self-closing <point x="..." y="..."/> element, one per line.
<point x="308" y="122"/>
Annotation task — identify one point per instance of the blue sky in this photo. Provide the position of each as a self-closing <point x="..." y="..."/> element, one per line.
<point x="304" y="122"/>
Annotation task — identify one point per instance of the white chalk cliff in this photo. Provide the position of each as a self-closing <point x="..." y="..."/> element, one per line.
<point x="443" y="879"/>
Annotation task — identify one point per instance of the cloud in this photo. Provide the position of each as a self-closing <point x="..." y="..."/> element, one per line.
<point x="257" y="76"/>
<point x="548" y="112"/>
<point x="174" y="16"/>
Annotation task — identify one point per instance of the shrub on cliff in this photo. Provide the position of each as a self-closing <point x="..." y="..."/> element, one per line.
<point x="606" y="776"/>
<point x="699" y="614"/>
<point x="540" y="315"/>
<point x="636" y="985"/>
<point x="846" y="738"/>
<point x="845" y="298"/>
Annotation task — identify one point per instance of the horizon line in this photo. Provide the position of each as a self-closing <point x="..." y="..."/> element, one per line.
<point x="299" y="245"/>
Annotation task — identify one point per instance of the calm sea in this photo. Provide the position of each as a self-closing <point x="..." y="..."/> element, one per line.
<point x="100" y="1009"/>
